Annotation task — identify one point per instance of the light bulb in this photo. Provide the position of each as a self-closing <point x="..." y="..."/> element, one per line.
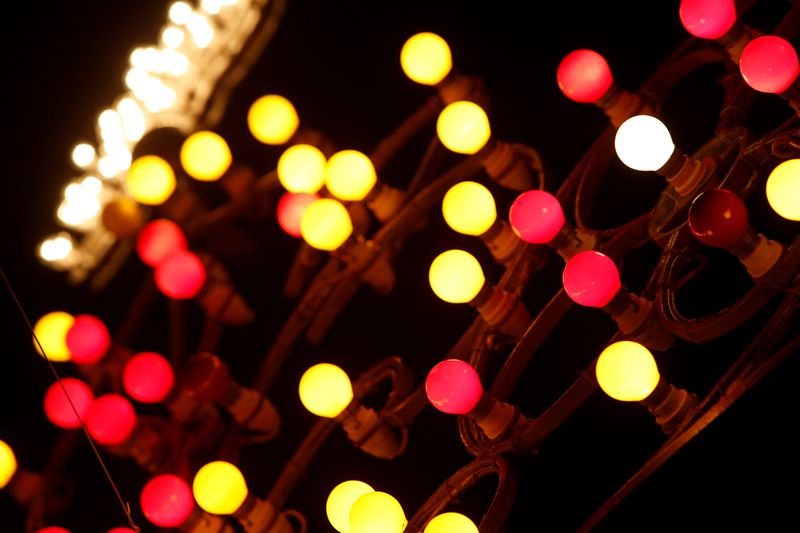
<point x="451" y="523"/>
<point x="148" y="377"/>
<point x="426" y="58"/>
<point x="181" y="275"/>
<point x="340" y="502"/>
<point x="377" y="512"/>
<point x="205" y="156"/>
<point x="51" y="330"/>
<point x="158" y="239"/>
<point x="707" y="19"/>
<point x="325" y="390"/>
<point x="783" y="189"/>
<point x="8" y="464"/>
<point x="463" y="127"/>
<point x="591" y="279"/>
<point x="57" y="407"/>
<point x="627" y="371"/>
<point x="325" y="224"/>
<point x="456" y="276"/>
<point x="536" y="216"/>
<point x="468" y="207"/>
<point x="291" y="207"/>
<point x="584" y="76"/>
<point x="111" y="419"/>
<point x="120" y="530"/>
<point x="718" y="218"/>
<point x="122" y="217"/>
<point x="52" y="529"/>
<point x="769" y="64"/>
<point x="349" y="175"/>
<point x="301" y="168"/>
<point x="150" y="180"/>
<point x="643" y="143"/>
<point x="167" y="500"/>
<point x="453" y="387"/>
<point x="83" y="155"/>
<point x="88" y="340"/>
<point x="219" y="488"/>
<point x="272" y="119"/>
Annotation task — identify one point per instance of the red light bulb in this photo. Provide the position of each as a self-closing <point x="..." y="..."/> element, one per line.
<point x="181" y="275"/>
<point x="148" y="377"/>
<point x="111" y="419"/>
<point x="206" y="376"/>
<point x="120" y="530"/>
<point x="167" y="500"/>
<point x="453" y="387"/>
<point x="718" y="218"/>
<point x="536" y="216"/>
<point x="158" y="239"/>
<point x="52" y="529"/>
<point x="584" y="76"/>
<point x="57" y="406"/>
<point x="591" y="279"/>
<point x="290" y="209"/>
<point x="769" y="64"/>
<point x="88" y="340"/>
<point x="707" y="19"/>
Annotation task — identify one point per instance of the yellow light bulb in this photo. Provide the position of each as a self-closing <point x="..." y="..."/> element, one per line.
<point x="377" y="512"/>
<point x="8" y="464"/>
<point x="219" y="488"/>
<point x="272" y="119"/>
<point x="205" y="156"/>
<point x="783" y="189"/>
<point x="643" y="143"/>
<point x="301" y="168"/>
<point x="150" y="180"/>
<point x="456" y="276"/>
<point x="325" y="224"/>
<point x="468" y="208"/>
<point x="426" y="58"/>
<point x="463" y="127"/>
<point x="325" y="390"/>
<point x="51" y="330"/>
<point x="451" y="523"/>
<point x="627" y="371"/>
<point x="341" y="500"/>
<point x="350" y="175"/>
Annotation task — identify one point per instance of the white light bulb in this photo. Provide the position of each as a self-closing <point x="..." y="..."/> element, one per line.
<point x="643" y="143"/>
<point x="56" y="247"/>
<point x="83" y="155"/>
<point x="179" y="12"/>
<point x="172" y="37"/>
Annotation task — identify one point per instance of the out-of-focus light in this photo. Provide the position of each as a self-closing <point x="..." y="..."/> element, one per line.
<point x="453" y="387"/>
<point x="181" y="275"/>
<point x="57" y="407"/>
<point x="175" y="62"/>
<point x="51" y="330"/>
<point x="107" y="167"/>
<point x="212" y="7"/>
<point x="219" y="488"/>
<point x="109" y="122"/>
<point x="88" y="340"/>
<point x="325" y="224"/>
<point x="627" y="371"/>
<point x="584" y="76"/>
<point x="111" y="419"/>
<point x="122" y="216"/>
<point x="56" y="247"/>
<point x="158" y="239"/>
<point x="136" y="79"/>
<point x="205" y="156"/>
<point x="272" y="119"/>
<point x="52" y="529"/>
<point x="121" y="530"/>
<point x="377" y="512"/>
<point x="340" y="502"/>
<point x="643" y="143"/>
<point x="707" y="19"/>
<point x="172" y="37"/>
<point x="290" y="209"/>
<point x="148" y="377"/>
<point x="456" y="276"/>
<point x="769" y="64"/>
<point x="783" y="189"/>
<point x="8" y="465"/>
<point x="179" y="12"/>
<point x="325" y="390"/>
<point x="150" y="180"/>
<point x="133" y="123"/>
<point x="83" y="155"/>
<point x="463" y="127"/>
<point x="718" y="218"/>
<point x="536" y="216"/>
<point x="591" y="279"/>
<point x="468" y="207"/>
<point x="200" y="29"/>
<point x="301" y="168"/>
<point x="426" y="58"/>
<point x="349" y="175"/>
<point x="451" y="523"/>
<point x="167" y="500"/>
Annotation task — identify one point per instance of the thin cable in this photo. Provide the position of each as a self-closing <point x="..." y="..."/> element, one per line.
<point x="126" y="507"/>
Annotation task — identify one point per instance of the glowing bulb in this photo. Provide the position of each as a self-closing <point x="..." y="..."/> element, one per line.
<point x="122" y="217"/>
<point x="349" y="175"/>
<point x="718" y="218"/>
<point x="56" y="247"/>
<point x="453" y="387"/>
<point x="51" y="330"/>
<point x="325" y="224"/>
<point x="468" y="208"/>
<point x="426" y="58"/>
<point x="291" y="207"/>
<point x="205" y="156"/>
<point x="8" y="466"/>
<point x="150" y="180"/>
<point x="148" y="377"/>
<point x="121" y="530"/>
<point x="52" y="529"/>
<point x="272" y="119"/>
<point x="83" y="155"/>
<point x="219" y="488"/>
<point x="167" y="500"/>
<point x="456" y="276"/>
<point x="325" y="390"/>
<point x="707" y="19"/>
<point x="172" y="37"/>
<point x="158" y="239"/>
<point x="783" y="189"/>
<point x="643" y="143"/>
<point x="463" y="127"/>
<point x="340" y="502"/>
<point x="377" y="512"/>
<point x="88" y="340"/>
<point x="57" y="407"/>
<point x="111" y="419"/>
<point x="627" y="371"/>
<point x="584" y="76"/>
<point x="181" y="275"/>
<point x="536" y="216"/>
<point x="301" y="168"/>
<point x="179" y="12"/>
<point x="451" y="523"/>
<point x="769" y="64"/>
<point x="591" y="279"/>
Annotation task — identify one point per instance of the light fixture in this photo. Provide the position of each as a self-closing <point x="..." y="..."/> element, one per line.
<point x="205" y="156"/>
<point x="301" y="168"/>
<point x="377" y="512"/>
<point x="181" y="275"/>
<point x="272" y="119"/>
<point x="150" y="180"/>
<point x="111" y="419"/>
<point x="88" y="340"/>
<point x="158" y="239"/>
<point x="340" y="501"/>
<point x="148" y="377"/>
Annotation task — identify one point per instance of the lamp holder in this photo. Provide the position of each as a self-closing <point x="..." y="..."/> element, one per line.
<point x="384" y="201"/>
<point x="504" y="166"/>
<point x="638" y="320"/>
<point x="365" y="429"/>
<point x="670" y="405"/>
<point x="757" y="253"/>
<point x="497" y="419"/>
<point x="502" y="242"/>
<point x="251" y="410"/>
<point x="571" y="240"/>
<point x="502" y="310"/>
<point x="260" y="516"/>
<point x="620" y="105"/>
<point x="200" y="521"/>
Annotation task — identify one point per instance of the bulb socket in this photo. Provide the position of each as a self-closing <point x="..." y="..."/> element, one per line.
<point x="497" y="419"/>
<point x="670" y="405"/>
<point x="504" y="166"/>
<point x="502" y="242"/>
<point x="502" y="311"/>
<point x="364" y="429"/>
<point x="456" y="86"/>
<point x="735" y="39"/>
<point x="251" y="410"/>
<point x="570" y="240"/>
<point x="620" y="105"/>
<point x="260" y="516"/>
<point x="687" y="175"/>
<point x="757" y="253"/>
<point x="200" y="521"/>
<point x="384" y="201"/>
<point x="638" y="320"/>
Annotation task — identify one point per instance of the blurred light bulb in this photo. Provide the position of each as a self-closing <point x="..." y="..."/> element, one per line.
<point x="56" y="247"/>
<point x="536" y="216"/>
<point x="51" y="330"/>
<point x="627" y="371"/>
<point x="212" y="7"/>
<point x="133" y="123"/>
<point x="340" y="502"/>
<point x="325" y="390"/>
<point x="122" y="216"/>
<point x="181" y="275"/>
<point x="643" y="143"/>
<point x="377" y="512"/>
<point x="591" y="279"/>
<point x="167" y="500"/>
<point x="783" y="189"/>
<point x="172" y="37"/>
<point x="179" y="12"/>
<point x="463" y="127"/>
<point x="456" y="276"/>
<point x="426" y="58"/>
<point x="111" y="419"/>
<point x="301" y="168"/>
<point x="57" y="407"/>
<point x="272" y="119"/>
<point x="769" y="64"/>
<point x="219" y="488"/>
<point x="349" y="175"/>
<point x="453" y="387"/>
<point x="468" y="207"/>
<point x="8" y="466"/>
<point x="52" y="529"/>
<point x="83" y="155"/>
<point x="158" y="239"/>
<point x="148" y="377"/>
<point x="584" y="76"/>
<point x="290" y="210"/>
<point x="707" y="19"/>
<point x="88" y="340"/>
<point x="450" y="523"/>
<point x="200" y="29"/>
<point x="150" y="180"/>
<point x="325" y="224"/>
<point x="718" y="218"/>
<point x="205" y="156"/>
<point x="121" y="530"/>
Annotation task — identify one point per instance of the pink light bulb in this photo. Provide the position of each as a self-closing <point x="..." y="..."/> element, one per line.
<point x="111" y="419"/>
<point x="57" y="406"/>
<point x="167" y="500"/>
<point x="591" y="279"/>
<point x="290" y="209"/>
<point x="769" y="64"/>
<point x="120" y="530"/>
<point x="206" y="376"/>
<point x="718" y="218"/>
<point x="148" y="377"/>
<point x="536" y="216"/>
<point x="707" y="19"/>
<point x="158" y="239"/>
<point x="88" y="340"/>
<point x="453" y="387"/>
<point x="181" y="275"/>
<point x="584" y="76"/>
<point x="52" y="529"/>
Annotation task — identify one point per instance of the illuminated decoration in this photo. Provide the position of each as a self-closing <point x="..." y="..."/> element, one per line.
<point x="82" y="202"/>
<point x="122" y="216"/>
<point x="707" y="19"/>
<point x="88" y="340"/>
<point x="349" y="175"/>
<point x="52" y="529"/>
<point x="718" y="218"/>
<point x="8" y="464"/>
<point x="58" y="408"/>
<point x="290" y="210"/>
<point x="644" y="143"/>
<point x="219" y="488"/>
<point x="111" y="419"/>
<point x="166" y="500"/>
<point x="301" y="168"/>
<point x="456" y="276"/>
<point x="536" y="216"/>
<point x="451" y="523"/>
<point x="377" y="512"/>
<point x="83" y="155"/>
<point x="769" y="64"/>
<point x="627" y="371"/>
<point x="426" y="58"/>
<point x="591" y="278"/>
<point x="205" y="156"/>
<point x="468" y="207"/>
<point x="272" y="119"/>
<point x="453" y="387"/>
<point x="340" y="502"/>
<point x="51" y="330"/>
<point x="325" y="224"/>
<point x="148" y="377"/>
<point x="783" y="189"/>
<point x="58" y="250"/>
<point x="325" y="390"/>
<point x="150" y="180"/>
<point x="158" y="239"/>
<point x="463" y="127"/>
<point x="584" y="76"/>
<point x="121" y="530"/>
<point x="181" y="275"/>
